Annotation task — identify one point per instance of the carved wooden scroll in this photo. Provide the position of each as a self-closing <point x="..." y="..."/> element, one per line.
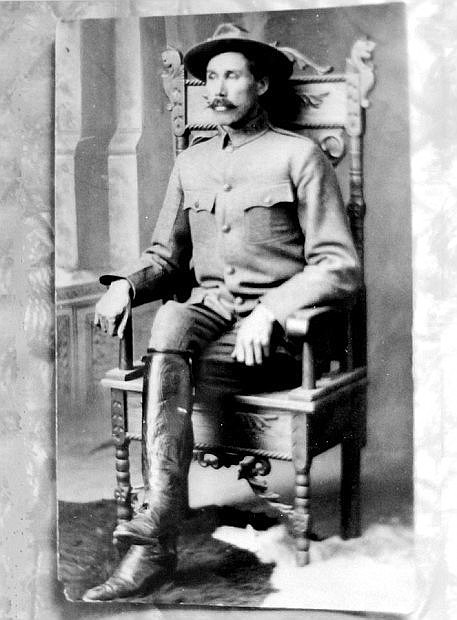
<point x="302" y="61"/>
<point x="332" y="143"/>
<point x="174" y="86"/>
<point x="360" y="61"/>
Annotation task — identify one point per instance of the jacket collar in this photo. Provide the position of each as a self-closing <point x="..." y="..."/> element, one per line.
<point x="252" y="129"/>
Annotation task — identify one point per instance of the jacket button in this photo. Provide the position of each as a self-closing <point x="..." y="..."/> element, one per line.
<point x="197" y="203"/>
<point x="226" y="228"/>
<point x="238" y="301"/>
<point x="227" y="187"/>
<point x="230" y="270"/>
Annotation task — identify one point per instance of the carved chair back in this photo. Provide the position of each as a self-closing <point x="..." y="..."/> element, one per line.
<point x="329" y="107"/>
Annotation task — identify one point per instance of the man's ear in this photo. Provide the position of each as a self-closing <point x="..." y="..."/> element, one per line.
<point x="262" y="85"/>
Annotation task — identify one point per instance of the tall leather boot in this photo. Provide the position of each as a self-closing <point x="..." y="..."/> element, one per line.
<point x="167" y="453"/>
<point x="167" y="441"/>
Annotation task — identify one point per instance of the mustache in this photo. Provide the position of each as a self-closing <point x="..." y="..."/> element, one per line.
<point x="220" y="101"/>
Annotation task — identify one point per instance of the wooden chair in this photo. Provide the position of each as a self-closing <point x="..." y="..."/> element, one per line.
<point x="328" y="408"/>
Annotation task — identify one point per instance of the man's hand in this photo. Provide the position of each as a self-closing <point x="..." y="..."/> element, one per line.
<point x="111" y="311"/>
<point x="254" y="335"/>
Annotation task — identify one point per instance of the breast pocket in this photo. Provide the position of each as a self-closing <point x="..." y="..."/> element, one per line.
<point x="200" y="207"/>
<point x="270" y="214"/>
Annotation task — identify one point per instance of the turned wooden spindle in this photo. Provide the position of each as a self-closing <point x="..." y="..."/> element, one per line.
<point x="308" y="373"/>
<point x="356" y="210"/>
<point x="302" y="516"/>
<point x="302" y="464"/>
<point x="122" y="493"/>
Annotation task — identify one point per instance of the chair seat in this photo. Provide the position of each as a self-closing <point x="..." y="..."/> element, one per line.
<point x="262" y="424"/>
<point x="298" y="399"/>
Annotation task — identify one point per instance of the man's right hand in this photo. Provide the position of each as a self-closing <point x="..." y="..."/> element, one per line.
<point x="111" y="311"/>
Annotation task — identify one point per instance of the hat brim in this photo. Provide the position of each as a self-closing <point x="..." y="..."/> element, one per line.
<point x="273" y="62"/>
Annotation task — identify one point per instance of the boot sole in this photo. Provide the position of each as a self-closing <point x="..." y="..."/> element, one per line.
<point x="139" y="594"/>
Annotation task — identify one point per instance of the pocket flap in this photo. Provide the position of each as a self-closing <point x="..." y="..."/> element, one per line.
<point x="268" y="196"/>
<point x="198" y="200"/>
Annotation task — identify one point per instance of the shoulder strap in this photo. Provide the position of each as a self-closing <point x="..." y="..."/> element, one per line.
<point x="286" y="132"/>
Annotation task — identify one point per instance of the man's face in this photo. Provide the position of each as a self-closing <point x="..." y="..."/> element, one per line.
<point x="232" y="90"/>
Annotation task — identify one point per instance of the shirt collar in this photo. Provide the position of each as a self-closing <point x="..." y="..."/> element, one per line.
<point x="251" y="130"/>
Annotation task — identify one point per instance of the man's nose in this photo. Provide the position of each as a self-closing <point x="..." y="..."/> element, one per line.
<point x="221" y="89"/>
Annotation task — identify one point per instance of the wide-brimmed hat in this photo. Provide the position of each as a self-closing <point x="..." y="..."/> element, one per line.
<point x="232" y="38"/>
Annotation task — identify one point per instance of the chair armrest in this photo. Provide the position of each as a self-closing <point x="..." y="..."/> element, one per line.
<point x="323" y="334"/>
<point x="303" y="323"/>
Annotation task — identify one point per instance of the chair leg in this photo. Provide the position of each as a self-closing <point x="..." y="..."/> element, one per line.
<point x="350" y="489"/>
<point x="302" y="465"/>
<point x="302" y="516"/>
<point x="123" y="491"/>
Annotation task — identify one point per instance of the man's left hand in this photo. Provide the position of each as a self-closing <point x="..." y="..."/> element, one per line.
<point x="254" y="335"/>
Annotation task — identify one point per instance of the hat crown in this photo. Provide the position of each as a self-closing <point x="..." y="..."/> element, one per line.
<point x="229" y="31"/>
<point x="230" y="37"/>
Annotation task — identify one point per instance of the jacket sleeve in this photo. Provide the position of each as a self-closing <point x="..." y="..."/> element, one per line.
<point x="158" y="270"/>
<point x="332" y="272"/>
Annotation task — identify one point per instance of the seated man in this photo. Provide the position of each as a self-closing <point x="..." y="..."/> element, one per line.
<point x="259" y="212"/>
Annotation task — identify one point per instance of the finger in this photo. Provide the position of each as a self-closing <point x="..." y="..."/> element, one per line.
<point x="258" y="354"/>
<point x="238" y="352"/>
<point x="123" y="323"/>
<point x="265" y="340"/>
<point x="96" y="319"/>
<point x="111" y="327"/>
<point x="248" y="354"/>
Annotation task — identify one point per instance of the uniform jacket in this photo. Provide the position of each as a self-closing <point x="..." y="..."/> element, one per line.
<point x="258" y="214"/>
